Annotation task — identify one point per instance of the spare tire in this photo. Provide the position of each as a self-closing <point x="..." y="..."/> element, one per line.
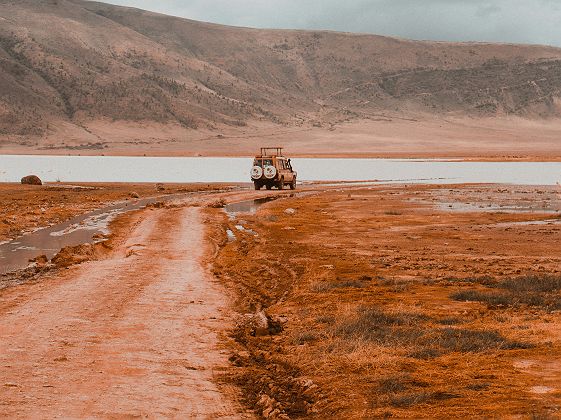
<point x="256" y="172"/>
<point x="270" y="172"/>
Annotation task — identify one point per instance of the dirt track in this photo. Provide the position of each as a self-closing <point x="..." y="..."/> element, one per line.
<point x="136" y="335"/>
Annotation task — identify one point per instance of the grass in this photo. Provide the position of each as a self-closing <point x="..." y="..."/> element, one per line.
<point x="304" y="337"/>
<point x="473" y="341"/>
<point x="371" y="324"/>
<point x="450" y="321"/>
<point x="532" y="283"/>
<point x="421" y="397"/>
<point x="392" y="213"/>
<point x="334" y="285"/>
<point x="419" y="335"/>
<point x="402" y="391"/>
<point x="533" y="291"/>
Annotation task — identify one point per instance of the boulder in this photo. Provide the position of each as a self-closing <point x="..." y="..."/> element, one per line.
<point x="31" y="180"/>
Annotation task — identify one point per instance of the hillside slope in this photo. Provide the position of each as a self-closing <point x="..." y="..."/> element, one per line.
<point x="68" y="64"/>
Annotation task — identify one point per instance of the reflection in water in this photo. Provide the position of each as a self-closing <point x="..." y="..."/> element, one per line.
<point x="249" y="206"/>
<point x="15" y="255"/>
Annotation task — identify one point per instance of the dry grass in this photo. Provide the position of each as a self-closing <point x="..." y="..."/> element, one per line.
<point x="534" y="291"/>
<point x="419" y="334"/>
<point x="363" y="324"/>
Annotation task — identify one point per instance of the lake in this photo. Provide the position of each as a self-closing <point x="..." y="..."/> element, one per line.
<point x="206" y="169"/>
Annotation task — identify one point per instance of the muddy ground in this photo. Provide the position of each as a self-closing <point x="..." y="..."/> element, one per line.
<point x="400" y="301"/>
<point x="383" y="301"/>
<point x="25" y="208"/>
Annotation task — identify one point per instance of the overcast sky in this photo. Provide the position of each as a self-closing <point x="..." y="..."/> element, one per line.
<point x="520" y="21"/>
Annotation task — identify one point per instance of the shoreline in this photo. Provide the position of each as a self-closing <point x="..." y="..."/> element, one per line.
<point x="375" y="156"/>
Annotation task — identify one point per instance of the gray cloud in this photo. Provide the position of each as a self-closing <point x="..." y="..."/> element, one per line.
<point x="516" y="21"/>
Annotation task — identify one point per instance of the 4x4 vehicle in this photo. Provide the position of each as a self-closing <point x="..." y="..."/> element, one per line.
<point x="272" y="169"/>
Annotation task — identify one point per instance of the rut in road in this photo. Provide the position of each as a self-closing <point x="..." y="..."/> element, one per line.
<point x="133" y="335"/>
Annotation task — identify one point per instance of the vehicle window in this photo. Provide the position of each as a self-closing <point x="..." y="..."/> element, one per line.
<point x="257" y="162"/>
<point x="267" y="162"/>
<point x="281" y="164"/>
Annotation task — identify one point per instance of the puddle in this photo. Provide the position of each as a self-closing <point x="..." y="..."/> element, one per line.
<point x="245" y="207"/>
<point x="231" y="235"/>
<point x="547" y="222"/>
<point x="15" y="255"/>
<point x="244" y="229"/>
<point x="250" y="206"/>
<point x="492" y="208"/>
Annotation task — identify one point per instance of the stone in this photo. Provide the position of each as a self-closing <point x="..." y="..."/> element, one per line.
<point x="31" y="180"/>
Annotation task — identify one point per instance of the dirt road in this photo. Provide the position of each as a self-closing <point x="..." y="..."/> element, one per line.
<point x="136" y="335"/>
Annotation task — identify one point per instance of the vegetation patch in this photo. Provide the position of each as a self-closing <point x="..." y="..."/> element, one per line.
<point x="403" y="391"/>
<point x="535" y="291"/>
<point x="419" y="333"/>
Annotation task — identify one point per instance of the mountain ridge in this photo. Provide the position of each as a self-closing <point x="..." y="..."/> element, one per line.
<point x="75" y="62"/>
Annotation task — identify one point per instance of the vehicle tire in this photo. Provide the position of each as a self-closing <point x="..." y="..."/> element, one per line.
<point x="293" y="184"/>
<point x="257" y="186"/>
<point x="280" y="184"/>
<point x="269" y="186"/>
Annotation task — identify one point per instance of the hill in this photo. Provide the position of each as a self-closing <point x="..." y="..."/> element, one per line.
<point x="74" y="74"/>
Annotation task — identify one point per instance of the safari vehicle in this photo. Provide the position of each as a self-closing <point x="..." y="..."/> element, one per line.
<point x="272" y="169"/>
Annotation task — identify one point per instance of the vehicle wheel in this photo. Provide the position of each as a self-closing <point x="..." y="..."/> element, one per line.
<point x="269" y="186"/>
<point x="280" y="185"/>
<point x="257" y="186"/>
<point x="293" y="184"/>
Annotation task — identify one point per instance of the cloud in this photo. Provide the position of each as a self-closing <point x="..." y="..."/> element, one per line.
<point x="514" y="21"/>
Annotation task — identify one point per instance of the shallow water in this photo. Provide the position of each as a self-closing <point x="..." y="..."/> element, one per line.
<point x="184" y="170"/>
<point x="15" y="255"/>
<point x="249" y="206"/>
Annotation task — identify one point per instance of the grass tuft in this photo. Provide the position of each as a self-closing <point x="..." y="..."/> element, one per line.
<point x="534" y="291"/>
<point x="472" y="341"/>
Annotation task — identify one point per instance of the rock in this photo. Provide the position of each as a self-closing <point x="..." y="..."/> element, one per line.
<point x="160" y="187"/>
<point x="290" y="211"/>
<point x="31" y="180"/>
<point x="260" y="324"/>
<point x="134" y="195"/>
<point x="41" y="260"/>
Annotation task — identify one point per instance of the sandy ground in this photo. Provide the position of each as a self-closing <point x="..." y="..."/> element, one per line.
<point x="386" y="136"/>
<point x="136" y="335"/>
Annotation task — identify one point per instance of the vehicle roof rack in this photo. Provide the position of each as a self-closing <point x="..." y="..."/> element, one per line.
<point x="271" y="151"/>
